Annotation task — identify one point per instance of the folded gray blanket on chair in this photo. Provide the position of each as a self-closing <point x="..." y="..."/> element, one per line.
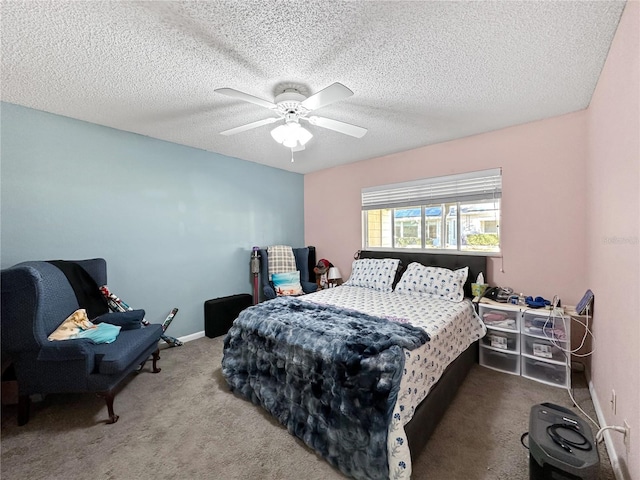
<point x="330" y="375"/>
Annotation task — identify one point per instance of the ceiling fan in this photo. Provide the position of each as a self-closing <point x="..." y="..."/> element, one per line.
<point x="292" y="106"/>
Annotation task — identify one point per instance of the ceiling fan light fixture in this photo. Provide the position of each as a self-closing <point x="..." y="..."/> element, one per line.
<point x="292" y="105"/>
<point x="304" y="135"/>
<point x="279" y="133"/>
<point x="291" y="135"/>
<point x="290" y="142"/>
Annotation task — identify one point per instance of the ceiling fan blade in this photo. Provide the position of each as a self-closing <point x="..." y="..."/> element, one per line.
<point x="332" y="93"/>
<point x="249" y="126"/>
<point x="230" y="92"/>
<point x="338" y="126"/>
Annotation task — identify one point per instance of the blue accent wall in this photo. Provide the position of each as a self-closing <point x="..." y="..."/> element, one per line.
<point x="175" y="224"/>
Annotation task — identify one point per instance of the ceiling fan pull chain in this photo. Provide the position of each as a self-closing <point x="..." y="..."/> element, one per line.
<point x="292" y="155"/>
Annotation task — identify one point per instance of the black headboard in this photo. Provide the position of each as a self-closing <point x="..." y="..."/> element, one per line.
<point x="475" y="263"/>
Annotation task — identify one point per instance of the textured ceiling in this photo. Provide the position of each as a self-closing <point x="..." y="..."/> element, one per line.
<point x="421" y="72"/>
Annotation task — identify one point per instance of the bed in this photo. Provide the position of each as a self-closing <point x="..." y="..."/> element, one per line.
<point x="362" y="373"/>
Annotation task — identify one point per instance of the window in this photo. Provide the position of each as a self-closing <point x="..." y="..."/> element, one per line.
<point x="456" y="212"/>
<point x="407" y="227"/>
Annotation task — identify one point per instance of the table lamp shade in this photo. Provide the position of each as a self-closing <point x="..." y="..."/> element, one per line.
<point x="333" y="274"/>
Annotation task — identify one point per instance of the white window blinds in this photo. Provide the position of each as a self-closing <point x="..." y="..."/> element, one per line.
<point x="465" y="187"/>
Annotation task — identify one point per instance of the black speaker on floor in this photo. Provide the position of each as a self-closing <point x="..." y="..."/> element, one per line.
<point x="220" y="313"/>
<point x="561" y="445"/>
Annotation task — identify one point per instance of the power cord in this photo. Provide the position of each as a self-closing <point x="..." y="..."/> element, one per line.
<point x="587" y="331"/>
<point x="549" y="332"/>
<point x="584" y="444"/>
<point x="581" y="410"/>
<point x="558" y="315"/>
<point x="600" y="434"/>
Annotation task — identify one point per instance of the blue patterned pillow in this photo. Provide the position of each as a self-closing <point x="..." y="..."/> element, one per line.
<point x="375" y="273"/>
<point x="435" y="281"/>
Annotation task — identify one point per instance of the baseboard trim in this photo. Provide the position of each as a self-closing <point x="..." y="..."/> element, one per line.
<point x="613" y="456"/>
<point x="193" y="336"/>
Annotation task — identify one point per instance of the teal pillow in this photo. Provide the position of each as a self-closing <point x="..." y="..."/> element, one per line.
<point x="287" y="284"/>
<point x="103" y="333"/>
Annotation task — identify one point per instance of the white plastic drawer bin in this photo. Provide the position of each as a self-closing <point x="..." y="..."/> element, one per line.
<point x="542" y="325"/>
<point x="544" y="349"/>
<point x="549" y="373"/>
<point x="500" y="340"/>
<point x="502" y="361"/>
<point x="499" y="318"/>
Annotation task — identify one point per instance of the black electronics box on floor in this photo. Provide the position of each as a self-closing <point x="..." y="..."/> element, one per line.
<point x="220" y="313"/>
<point x="561" y="445"/>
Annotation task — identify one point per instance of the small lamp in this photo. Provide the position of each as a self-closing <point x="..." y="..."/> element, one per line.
<point x="333" y="277"/>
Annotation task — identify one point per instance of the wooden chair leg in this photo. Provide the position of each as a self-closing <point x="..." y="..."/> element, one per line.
<point x="109" y="396"/>
<point x="156" y="357"/>
<point x="24" y="405"/>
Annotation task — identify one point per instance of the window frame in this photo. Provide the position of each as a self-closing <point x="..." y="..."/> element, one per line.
<point x="472" y="192"/>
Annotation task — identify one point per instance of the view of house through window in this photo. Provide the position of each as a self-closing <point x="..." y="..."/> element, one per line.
<point x="471" y="223"/>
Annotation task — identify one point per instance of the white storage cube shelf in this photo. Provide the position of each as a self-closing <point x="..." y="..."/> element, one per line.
<point x="527" y="342"/>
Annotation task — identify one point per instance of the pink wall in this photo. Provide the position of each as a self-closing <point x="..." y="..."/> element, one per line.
<point x="570" y="220"/>
<point x="543" y="216"/>
<point x="613" y="232"/>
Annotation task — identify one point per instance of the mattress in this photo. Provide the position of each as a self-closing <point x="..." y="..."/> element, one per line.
<point x="452" y="328"/>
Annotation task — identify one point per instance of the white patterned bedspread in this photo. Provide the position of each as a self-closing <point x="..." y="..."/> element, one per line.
<point x="453" y="327"/>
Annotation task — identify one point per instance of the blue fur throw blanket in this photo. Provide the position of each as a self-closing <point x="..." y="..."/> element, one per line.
<point x="328" y="374"/>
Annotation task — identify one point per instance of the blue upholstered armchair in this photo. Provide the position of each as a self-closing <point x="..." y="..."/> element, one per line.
<point x="36" y="298"/>
<point x="305" y="260"/>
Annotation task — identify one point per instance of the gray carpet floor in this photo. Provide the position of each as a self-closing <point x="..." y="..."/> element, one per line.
<point x="184" y="423"/>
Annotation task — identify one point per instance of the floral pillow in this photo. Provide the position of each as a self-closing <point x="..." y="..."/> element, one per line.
<point x="77" y="325"/>
<point x="436" y="281"/>
<point x="375" y="273"/>
<point x="72" y="326"/>
<point x="287" y="283"/>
